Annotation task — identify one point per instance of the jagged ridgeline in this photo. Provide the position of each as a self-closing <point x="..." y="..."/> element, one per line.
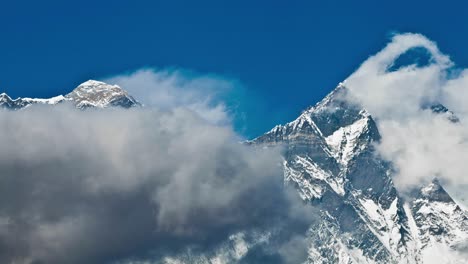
<point x="330" y="156"/>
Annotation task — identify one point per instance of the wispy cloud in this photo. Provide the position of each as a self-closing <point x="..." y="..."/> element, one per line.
<point x="422" y="145"/>
<point x="166" y="89"/>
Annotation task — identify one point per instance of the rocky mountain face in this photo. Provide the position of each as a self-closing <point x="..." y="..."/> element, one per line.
<point x="88" y="94"/>
<point x="330" y="157"/>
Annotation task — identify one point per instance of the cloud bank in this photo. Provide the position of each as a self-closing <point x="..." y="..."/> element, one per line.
<point x="123" y="186"/>
<point x="422" y="144"/>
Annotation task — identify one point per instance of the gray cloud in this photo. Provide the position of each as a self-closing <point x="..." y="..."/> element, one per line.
<point x="101" y="186"/>
<point x="295" y="250"/>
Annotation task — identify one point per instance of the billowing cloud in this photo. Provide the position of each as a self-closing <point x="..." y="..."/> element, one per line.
<point x="102" y="186"/>
<point x="422" y="144"/>
<point x="166" y="89"/>
<point x="399" y="94"/>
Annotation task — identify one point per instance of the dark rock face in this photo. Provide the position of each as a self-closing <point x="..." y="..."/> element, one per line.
<point x="330" y="157"/>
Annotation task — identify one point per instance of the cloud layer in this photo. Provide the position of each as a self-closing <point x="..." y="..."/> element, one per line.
<point x="100" y="186"/>
<point x="422" y="144"/>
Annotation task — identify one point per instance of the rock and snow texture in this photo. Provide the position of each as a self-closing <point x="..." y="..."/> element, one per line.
<point x="7" y="102"/>
<point x="442" y="224"/>
<point x="330" y="157"/>
<point x="101" y="95"/>
<point x="88" y="94"/>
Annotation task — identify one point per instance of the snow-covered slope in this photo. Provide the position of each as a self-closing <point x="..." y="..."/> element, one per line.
<point x="101" y="95"/>
<point x="441" y="223"/>
<point x="7" y="102"/>
<point x="330" y="157"/>
<point x="88" y="94"/>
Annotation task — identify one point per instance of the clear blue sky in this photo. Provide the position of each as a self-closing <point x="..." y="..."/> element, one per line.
<point x="288" y="53"/>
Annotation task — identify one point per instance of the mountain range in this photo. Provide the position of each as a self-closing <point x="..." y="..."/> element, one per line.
<point x="88" y="94"/>
<point x="330" y="157"/>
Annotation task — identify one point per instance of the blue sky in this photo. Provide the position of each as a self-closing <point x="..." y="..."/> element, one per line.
<point x="287" y="54"/>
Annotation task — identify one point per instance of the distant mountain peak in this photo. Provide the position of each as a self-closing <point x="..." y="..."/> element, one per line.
<point x="5" y="98"/>
<point x="440" y="109"/>
<point x="100" y="94"/>
<point x="93" y="86"/>
<point x="435" y="192"/>
<point x="90" y="94"/>
<point x="440" y="220"/>
<point x="93" y="82"/>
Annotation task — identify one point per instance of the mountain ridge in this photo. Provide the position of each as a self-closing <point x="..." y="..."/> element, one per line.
<point x="330" y="157"/>
<point x="91" y="93"/>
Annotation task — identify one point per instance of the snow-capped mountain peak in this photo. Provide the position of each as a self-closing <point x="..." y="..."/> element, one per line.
<point x="4" y="98"/>
<point x="442" y="224"/>
<point x="99" y="94"/>
<point x="91" y="93"/>
<point x="330" y="157"/>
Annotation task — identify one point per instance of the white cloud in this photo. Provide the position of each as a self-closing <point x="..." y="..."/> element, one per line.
<point x="101" y="185"/>
<point x="438" y="252"/>
<point x="422" y="145"/>
<point x="167" y="89"/>
<point x="398" y="94"/>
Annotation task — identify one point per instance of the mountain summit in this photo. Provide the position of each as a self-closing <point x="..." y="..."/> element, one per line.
<point x="99" y="94"/>
<point x="330" y="157"/>
<point x="88" y="94"/>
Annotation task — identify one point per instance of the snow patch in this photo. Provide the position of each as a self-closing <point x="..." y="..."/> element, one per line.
<point x="384" y="223"/>
<point x="344" y="142"/>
